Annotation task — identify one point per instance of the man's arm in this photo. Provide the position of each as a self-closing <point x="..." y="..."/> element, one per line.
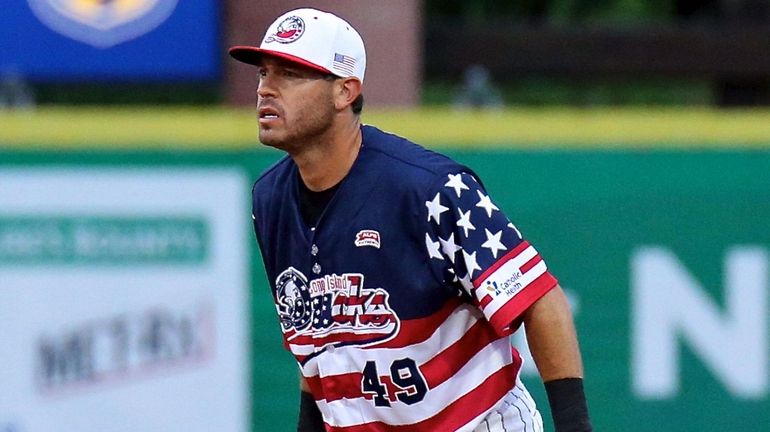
<point x="553" y="342"/>
<point x="310" y="419"/>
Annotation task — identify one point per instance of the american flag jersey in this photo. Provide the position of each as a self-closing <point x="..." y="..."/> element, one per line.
<point x="398" y="304"/>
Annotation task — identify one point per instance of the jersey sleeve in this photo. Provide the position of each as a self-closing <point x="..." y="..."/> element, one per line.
<point x="473" y="245"/>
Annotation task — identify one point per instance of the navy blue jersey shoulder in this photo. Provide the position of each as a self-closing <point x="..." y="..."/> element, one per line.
<point x="406" y="164"/>
<point x="410" y="161"/>
<point x="271" y="178"/>
<point x="406" y="155"/>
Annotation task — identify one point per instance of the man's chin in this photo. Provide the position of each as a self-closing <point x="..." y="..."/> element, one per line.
<point x="267" y="137"/>
<point x="270" y="139"/>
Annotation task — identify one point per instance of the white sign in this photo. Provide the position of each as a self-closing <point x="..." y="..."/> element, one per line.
<point x="670" y="307"/>
<point x="123" y="300"/>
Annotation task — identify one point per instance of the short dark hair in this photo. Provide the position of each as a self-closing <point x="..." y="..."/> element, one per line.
<point x="358" y="104"/>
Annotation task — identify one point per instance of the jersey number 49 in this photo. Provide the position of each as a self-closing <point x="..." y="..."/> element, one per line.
<point x="409" y="384"/>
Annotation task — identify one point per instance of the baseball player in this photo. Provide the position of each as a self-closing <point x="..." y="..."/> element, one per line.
<point x="396" y="279"/>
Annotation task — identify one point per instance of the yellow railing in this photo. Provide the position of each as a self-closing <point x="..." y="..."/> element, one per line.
<point x="218" y="128"/>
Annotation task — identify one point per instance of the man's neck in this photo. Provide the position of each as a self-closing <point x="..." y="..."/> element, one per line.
<point x="326" y="163"/>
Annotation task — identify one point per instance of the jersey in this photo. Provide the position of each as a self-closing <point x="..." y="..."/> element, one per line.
<point x="398" y="303"/>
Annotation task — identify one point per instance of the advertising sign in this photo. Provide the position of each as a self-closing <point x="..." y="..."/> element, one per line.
<point x="123" y="297"/>
<point x="71" y="40"/>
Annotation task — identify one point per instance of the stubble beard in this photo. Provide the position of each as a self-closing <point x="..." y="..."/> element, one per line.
<point x="305" y="129"/>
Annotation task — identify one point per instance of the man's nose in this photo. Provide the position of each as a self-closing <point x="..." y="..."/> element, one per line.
<point x="266" y="87"/>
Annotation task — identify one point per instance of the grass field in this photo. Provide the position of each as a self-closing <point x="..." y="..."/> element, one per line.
<point x="221" y="128"/>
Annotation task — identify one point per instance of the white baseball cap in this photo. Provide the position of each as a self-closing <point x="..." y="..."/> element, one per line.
<point x="316" y="39"/>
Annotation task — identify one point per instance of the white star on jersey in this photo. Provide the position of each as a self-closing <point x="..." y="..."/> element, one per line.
<point x="433" y="247"/>
<point x="493" y="242"/>
<point x="486" y="203"/>
<point x="449" y="247"/>
<point x="456" y="182"/>
<point x="454" y="275"/>
<point x="465" y="281"/>
<point x="513" y="227"/>
<point x="470" y="263"/>
<point x="465" y="221"/>
<point x="435" y="208"/>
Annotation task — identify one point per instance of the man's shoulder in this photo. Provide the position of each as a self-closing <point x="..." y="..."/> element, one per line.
<point x="273" y="178"/>
<point x="406" y="157"/>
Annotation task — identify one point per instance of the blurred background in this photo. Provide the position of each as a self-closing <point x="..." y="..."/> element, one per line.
<point x="627" y="139"/>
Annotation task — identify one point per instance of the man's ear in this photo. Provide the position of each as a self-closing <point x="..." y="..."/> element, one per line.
<point x="347" y="91"/>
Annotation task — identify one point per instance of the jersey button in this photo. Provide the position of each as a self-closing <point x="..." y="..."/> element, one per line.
<point x="316" y="268"/>
<point x="314" y="250"/>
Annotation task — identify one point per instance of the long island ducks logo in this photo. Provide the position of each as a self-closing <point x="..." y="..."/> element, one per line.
<point x="102" y="23"/>
<point x="332" y="310"/>
<point x="287" y="31"/>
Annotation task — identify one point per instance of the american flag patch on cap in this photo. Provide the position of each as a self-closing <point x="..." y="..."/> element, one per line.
<point x="344" y="63"/>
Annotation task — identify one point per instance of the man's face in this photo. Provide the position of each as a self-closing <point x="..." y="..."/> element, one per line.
<point x="294" y="104"/>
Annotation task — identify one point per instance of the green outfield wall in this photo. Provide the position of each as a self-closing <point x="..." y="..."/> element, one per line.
<point x="665" y="254"/>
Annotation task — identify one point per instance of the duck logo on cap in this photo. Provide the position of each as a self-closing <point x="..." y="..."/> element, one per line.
<point x="289" y="30"/>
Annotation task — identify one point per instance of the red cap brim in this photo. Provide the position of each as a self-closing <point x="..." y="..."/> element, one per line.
<point x="252" y="55"/>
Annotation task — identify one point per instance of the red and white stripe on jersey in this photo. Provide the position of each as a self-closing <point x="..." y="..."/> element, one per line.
<point x="512" y="284"/>
<point x="467" y="367"/>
